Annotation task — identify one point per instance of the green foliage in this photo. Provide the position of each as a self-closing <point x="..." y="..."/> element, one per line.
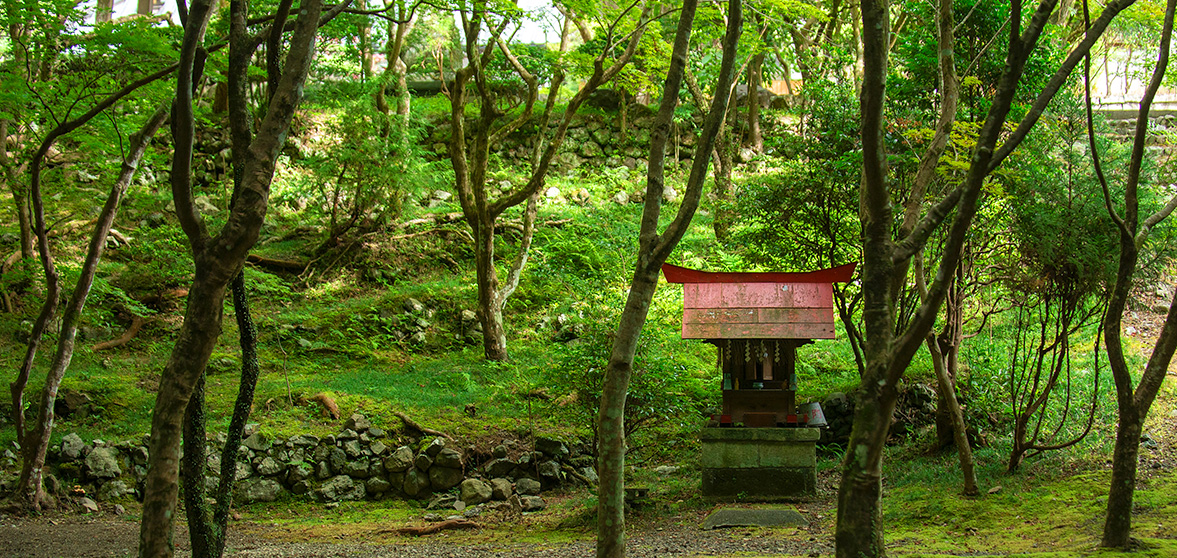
<point x="153" y="264"/>
<point x="673" y="387"/>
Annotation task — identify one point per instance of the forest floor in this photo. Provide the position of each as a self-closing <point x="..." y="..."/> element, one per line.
<point x="1044" y="528"/>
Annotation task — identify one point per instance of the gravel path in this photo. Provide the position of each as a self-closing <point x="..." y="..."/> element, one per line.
<point x="71" y="535"/>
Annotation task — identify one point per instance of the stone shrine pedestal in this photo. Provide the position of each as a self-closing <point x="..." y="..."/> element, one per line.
<point x="759" y="463"/>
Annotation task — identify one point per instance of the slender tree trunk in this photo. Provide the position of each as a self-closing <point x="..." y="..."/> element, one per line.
<point x="20" y="202"/>
<point x="208" y="527"/>
<point x="1134" y="404"/>
<point x="490" y="311"/>
<point x="956" y="418"/>
<point x="1117" y="528"/>
<point x="653" y="250"/>
<point x="35" y="443"/>
<point x="218" y="259"/>
<point x="755" y="67"/>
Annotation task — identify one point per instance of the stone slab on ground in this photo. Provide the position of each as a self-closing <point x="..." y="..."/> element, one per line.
<point x="754" y="517"/>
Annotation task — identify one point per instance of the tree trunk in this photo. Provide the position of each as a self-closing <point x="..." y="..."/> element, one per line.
<point x="1117" y="528"/>
<point x="218" y="259"/>
<point x="490" y="310"/>
<point x="208" y="528"/>
<point x="35" y="442"/>
<point x="653" y="250"/>
<point x="1134" y="404"/>
<point x="859" y="530"/>
<point x="755" y="67"/>
<point x="941" y="364"/>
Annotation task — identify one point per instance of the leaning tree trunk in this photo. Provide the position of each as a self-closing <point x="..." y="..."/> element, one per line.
<point x="218" y="259"/>
<point x="35" y="442"/>
<point x="653" y="251"/>
<point x="960" y="437"/>
<point x="208" y="528"/>
<point x="1134" y="404"/>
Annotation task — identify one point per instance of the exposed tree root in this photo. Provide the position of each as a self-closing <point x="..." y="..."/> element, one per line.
<point x="328" y="403"/>
<point x="410" y="423"/>
<point x="437" y="527"/>
<point x="136" y="324"/>
<point x="276" y="265"/>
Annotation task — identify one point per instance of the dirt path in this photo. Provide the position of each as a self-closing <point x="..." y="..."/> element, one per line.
<point x="94" y="536"/>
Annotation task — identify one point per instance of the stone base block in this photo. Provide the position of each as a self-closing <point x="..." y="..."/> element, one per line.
<point x="765" y="483"/>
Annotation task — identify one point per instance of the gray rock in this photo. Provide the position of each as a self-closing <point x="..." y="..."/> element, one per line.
<point x="471" y="513"/>
<point x="341" y="488"/>
<point x="378" y="448"/>
<point x="527" y="487"/>
<point x="499" y="467"/>
<point x="298" y="472"/>
<point x="666" y="470"/>
<point x="396" y="479"/>
<point x="89" y="505"/>
<point x="414" y="306"/>
<point x="377" y="485"/>
<point x="745" y="517"/>
<point x="358" y="422"/>
<point x="590" y="474"/>
<point x="322" y="470"/>
<point x="551" y="446"/>
<point x="416" y="483"/>
<point x="400" y="460"/>
<point x="244" y="470"/>
<point x="258" y="442"/>
<point x="353" y="448"/>
<point x="113" y="490"/>
<point x="358" y="469"/>
<point x="532" y="503"/>
<point x="303" y="440"/>
<point x="258" y="490"/>
<point x="515" y="503"/>
<point x="669" y="194"/>
<point x="348" y="434"/>
<point x="444" y="478"/>
<point x="102" y="463"/>
<point x="499" y="451"/>
<point x="620" y="198"/>
<point x="435" y="446"/>
<point x="337" y="459"/>
<point x="442" y="501"/>
<point x="474" y="492"/>
<point x="301" y="487"/>
<point x="549" y="470"/>
<point x="71" y="447"/>
<point x="376" y="432"/>
<point x="500" y="489"/>
<point x="423" y="462"/>
<point x="268" y="467"/>
<point x="448" y="457"/>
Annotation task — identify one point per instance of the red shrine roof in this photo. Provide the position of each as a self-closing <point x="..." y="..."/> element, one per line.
<point x="676" y="274"/>
<point x="724" y="305"/>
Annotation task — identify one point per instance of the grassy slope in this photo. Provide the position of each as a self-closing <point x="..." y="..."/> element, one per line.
<point x="327" y="337"/>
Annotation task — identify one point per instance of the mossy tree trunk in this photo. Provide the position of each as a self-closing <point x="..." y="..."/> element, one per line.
<point x="34" y="441"/>
<point x="888" y="349"/>
<point x="1133" y="403"/>
<point x="219" y="258"/>
<point x="653" y="250"/>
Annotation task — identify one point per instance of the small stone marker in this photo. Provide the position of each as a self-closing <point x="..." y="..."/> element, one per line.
<point x="754" y="517"/>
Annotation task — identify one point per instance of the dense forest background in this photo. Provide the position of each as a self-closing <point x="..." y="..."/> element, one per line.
<point x="408" y="209"/>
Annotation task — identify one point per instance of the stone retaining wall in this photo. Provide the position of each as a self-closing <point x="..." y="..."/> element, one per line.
<point x="361" y="462"/>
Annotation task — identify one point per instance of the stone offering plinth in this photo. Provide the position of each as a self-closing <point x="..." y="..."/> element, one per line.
<point x="759" y="463"/>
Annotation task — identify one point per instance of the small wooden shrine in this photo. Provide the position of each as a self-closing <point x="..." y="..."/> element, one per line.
<point x="760" y="446"/>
